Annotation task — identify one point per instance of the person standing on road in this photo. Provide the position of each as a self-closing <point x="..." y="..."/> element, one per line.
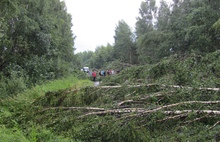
<point x="93" y="75"/>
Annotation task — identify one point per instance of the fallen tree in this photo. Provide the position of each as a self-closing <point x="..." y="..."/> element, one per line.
<point x="162" y="85"/>
<point x="144" y="111"/>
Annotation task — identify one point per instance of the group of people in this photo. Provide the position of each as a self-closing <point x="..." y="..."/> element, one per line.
<point x="103" y="73"/>
<point x="107" y="72"/>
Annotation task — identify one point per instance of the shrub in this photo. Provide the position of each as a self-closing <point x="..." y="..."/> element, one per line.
<point x="12" y="85"/>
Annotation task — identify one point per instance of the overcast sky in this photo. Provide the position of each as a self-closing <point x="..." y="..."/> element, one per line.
<point x="94" y="21"/>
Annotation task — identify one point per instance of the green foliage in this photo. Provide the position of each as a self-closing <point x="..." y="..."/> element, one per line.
<point x="54" y="85"/>
<point x="144" y="22"/>
<point x="36" y="135"/>
<point x="36" y="46"/>
<point x="162" y="68"/>
<point x="22" y="127"/>
<point x="74" y="110"/>
<point x="9" y="135"/>
<point x="102" y="56"/>
<point x="12" y="85"/>
<point x="129" y="74"/>
<point x="216" y="25"/>
<point x="181" y="28"/>
<point x="182" y="77"/>
<point x="163" y="16"/>
<point x="108" y="129"/>
<point x="193" y="70"/>
<point x="36" y="38"/>
<point x="124" y="48"/>
<point x="42" y="135"/>
<point x="85" y="58"/>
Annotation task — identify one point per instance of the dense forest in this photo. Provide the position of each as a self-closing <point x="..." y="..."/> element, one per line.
<point x="168" y="88"/>
<point x="36" y="43"/>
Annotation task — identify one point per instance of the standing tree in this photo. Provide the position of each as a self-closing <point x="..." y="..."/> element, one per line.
<point x="163" y="18"/>
<point x="147" y="13"/>
<point x="102" y="56"/>
<point x="191" y="24"/>
<point x="124" y="48"/>
<point x="147" y="38"/>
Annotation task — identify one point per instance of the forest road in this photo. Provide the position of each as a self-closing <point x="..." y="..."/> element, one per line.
<point x="96" y="83"/>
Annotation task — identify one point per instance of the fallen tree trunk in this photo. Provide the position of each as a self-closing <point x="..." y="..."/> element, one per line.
<point x="211" y="112"/>
<point x="172" y="105"/>
<point x="114" y="111"/>
<point x="162" y="85"/>
<point x="190" y="88"/>
<point x="141" y="110"/>
<point x="144" y="111"/>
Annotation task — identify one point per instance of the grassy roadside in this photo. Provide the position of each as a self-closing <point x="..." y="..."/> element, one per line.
<point x="10" y="129"/>
<point x="55" y="85"/>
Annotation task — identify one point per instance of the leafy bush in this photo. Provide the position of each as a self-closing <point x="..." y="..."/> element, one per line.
<point x="10" y="86"/>
<point x="36" y="135"/>
<point x="12" y="135"/>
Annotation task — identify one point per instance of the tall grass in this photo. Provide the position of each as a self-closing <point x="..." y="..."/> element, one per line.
<point x="9" y="106"/>
<point x="12" y="135"/>
<point x="36" y="135"/>
<point x="39" y="90"/>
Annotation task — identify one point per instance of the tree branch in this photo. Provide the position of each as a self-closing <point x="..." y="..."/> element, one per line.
<point x="196" y="119"/>
<point x="71" y="108"/>
<point x="190" y="88"/>
<point x="214" y="125"/>
<point x="128" y="101"/>
<point x="114" y="111"/>
<point x="211" y="112"/>
<point x="173" y="117"/>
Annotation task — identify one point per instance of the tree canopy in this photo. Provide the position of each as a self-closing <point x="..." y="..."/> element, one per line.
<point x="36" y="40"/>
